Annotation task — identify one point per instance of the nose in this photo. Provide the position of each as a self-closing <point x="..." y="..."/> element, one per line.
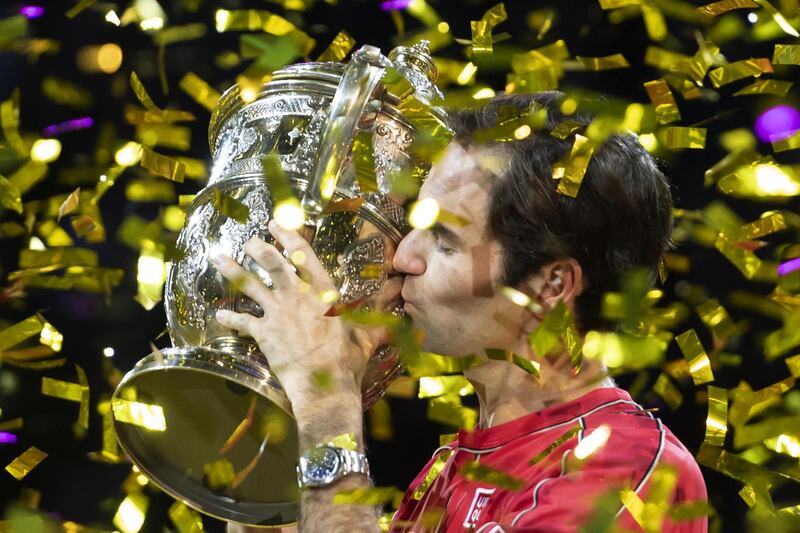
<point x="407" y="257"/>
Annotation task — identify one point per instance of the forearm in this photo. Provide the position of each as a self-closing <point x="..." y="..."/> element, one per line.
<point x="327" y="417"/>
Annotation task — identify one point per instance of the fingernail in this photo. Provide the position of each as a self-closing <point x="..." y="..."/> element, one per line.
<point x="272" y="224"/>
<point x="221" y="313"/>
<point x="217" y="259"/>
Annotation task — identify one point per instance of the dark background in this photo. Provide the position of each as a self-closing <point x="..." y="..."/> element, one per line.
<point x="72" y="486"/>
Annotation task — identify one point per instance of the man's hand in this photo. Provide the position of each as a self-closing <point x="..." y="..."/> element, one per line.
<point x="320" y="361"/>
<point x="310" y="353"/>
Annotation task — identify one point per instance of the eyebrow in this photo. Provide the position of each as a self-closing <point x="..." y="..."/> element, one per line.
<point x="446" y="233"/>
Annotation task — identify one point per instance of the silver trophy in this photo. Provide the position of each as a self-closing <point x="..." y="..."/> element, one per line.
<point x="226" y="444"/>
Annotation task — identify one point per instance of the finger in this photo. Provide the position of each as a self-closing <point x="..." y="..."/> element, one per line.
<point x="245" y="281"/>
<point x="242" y="322"/>
<point x="307" y="262"/>
<point x="270" y="259"/>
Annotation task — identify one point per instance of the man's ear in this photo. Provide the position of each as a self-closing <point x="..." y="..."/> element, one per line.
<point x="561" y="280"/>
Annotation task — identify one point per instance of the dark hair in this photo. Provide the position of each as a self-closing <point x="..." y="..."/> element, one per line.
<point x="621" y="219"/>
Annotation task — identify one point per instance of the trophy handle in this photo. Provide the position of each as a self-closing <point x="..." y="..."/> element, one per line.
<point x="360" y="78"/>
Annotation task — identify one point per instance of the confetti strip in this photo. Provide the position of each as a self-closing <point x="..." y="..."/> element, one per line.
<point x="717" y="420"/>
<point x="22" y="465"/>
<point x="339" y="47"/>
<point x="668" y="391"/>
<point x="162" y="165"/>
<point x="200" y="91"/>
<point x="786" y="54"/>
<point x="763" y="86"/>
<point x="675" y="137"/>
<point x="661" y="97"/>
<point x="433" y="386"/>
<point x="723" y="6"/>
<point x="604" y="63"/>
<point x="695" y="354"/>
<point x="230" y="207"/>
<point x="475" y="471"/>
<point x="146" y="416"/>
<point x="570" y="172"/>
<point x="739" y="69"/>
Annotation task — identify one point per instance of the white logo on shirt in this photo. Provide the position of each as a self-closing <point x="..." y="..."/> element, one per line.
<point x="479" y="503"/>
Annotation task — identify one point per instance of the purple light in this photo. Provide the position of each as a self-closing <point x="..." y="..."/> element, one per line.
<point x="7" y="438"/>
<point x="31" y="12"/>
<point x="777" y="123"/>
<point x="70" y="125"/>
<point x="394" y="5"/>
<point x="789" y="266"/>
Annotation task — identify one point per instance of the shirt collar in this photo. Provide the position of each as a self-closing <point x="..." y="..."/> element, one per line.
<point x="563" y="414"/>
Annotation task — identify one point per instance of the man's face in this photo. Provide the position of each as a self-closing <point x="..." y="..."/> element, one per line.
<point x="453" y="269"/>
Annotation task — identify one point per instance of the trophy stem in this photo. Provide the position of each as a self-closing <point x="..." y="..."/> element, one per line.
<point x="234" y="345"/>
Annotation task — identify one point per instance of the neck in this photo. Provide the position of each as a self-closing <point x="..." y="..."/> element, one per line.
<point x="507" y="392"/>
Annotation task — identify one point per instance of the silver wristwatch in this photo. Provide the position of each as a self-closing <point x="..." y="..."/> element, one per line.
<point x="326" y="464"/>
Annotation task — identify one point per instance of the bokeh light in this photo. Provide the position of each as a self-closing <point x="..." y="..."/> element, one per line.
<point x="777" y="123"/>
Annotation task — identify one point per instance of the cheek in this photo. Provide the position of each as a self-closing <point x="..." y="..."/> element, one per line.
<point x="449" y="280"/>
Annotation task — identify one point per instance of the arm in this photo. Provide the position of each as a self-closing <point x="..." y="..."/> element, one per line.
<point x="335" y="414"/>
<point x="302" y="343"/>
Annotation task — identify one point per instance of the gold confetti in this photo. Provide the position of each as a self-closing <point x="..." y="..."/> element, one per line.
<point x="661" y="97"/>
<point x="615" y="4"/>
<point x="739" y="69"/>
<point x="186" y="520"/>
<point x="139" y="414"/>
<point x="570" y="172"/>
<point x="380" y="421"/>
<point x="166" y="135"/>
<point x="261" y="20"/>
<point x="162" y="165"/>
<point x="723" y="6"/>
<point x="21" y="331"/>
<point x="339" y="47"/>
<point x="779" y="19"/>
<point x="369" y="496"/>
<point x="786" y="54"/>
<point x="70" y="205"/>
<point x="74" y="392"/>
<point x="75" y="10"/>
<point x="675" y="137"/>
<point x="772" y="427"/>
<point x="230" y="207"/>
<point x="131" y="512"/>
<point x="22" y="465"/>
<point x="200" y="91"/>
<point x="482" y="29"/>
<point x="763" y="86"/>
<point x="604" y="63"/>
<point x="565" y="129"/>
<point x="654" y="22"/>
<point x="668" y="391"/>
<point x="447" y="409"/>
<point x="695" y="354"/>
<point x="433" y="472"/>
<point x="793" y="363"/>
<point x="792" y="142"/>
<point x="64" y="92"/>
<point x="717" y="420"/>
<point x="433" y="386"/>
<point x="475" y="471"/>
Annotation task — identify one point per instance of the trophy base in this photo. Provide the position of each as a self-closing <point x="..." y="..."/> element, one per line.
<point x="229" y="446"/>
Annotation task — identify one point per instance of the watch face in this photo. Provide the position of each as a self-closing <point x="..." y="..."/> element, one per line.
<point x="322" y="465"/>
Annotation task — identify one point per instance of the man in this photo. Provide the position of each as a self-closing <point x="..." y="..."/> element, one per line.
<point x="561" y="445"/>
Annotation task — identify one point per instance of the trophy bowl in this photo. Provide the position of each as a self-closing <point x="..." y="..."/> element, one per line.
<point x="206" y="420"/>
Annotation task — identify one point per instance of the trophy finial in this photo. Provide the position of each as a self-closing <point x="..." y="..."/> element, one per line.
<point x="416" y="64"/>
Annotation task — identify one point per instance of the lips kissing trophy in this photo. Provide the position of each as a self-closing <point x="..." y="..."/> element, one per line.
<point x="206" y="420"/>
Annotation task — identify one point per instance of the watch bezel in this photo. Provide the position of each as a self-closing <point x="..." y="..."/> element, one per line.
<point x="308" y="463"/>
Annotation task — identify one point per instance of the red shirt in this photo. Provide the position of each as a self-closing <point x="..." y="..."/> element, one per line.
<point x="559" y="492"/>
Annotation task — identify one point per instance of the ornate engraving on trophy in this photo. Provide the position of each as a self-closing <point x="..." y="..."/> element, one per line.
<point x="362" y="268"/>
